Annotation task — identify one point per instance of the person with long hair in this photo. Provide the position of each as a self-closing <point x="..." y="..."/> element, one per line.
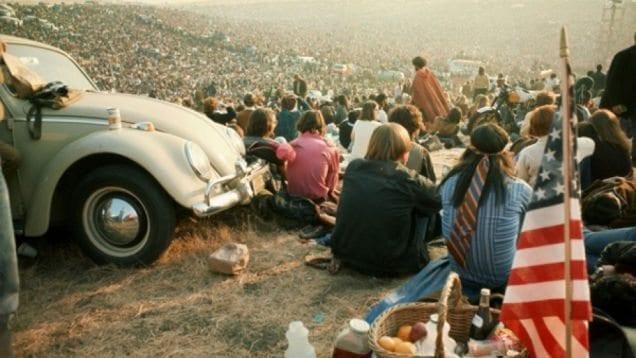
<point x="259" y="140"/>
<point x="483" y="206"/>
<point x="611" y="155"/>
<point x="362" y="129"/>
<point x="387" y="212"/>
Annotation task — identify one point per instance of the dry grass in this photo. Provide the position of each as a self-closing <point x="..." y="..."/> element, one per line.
<point x="69" y="307"/>
<point x="177" y="308"/>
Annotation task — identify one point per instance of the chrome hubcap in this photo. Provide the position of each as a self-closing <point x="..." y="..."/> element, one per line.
<point x="116" y="221"/>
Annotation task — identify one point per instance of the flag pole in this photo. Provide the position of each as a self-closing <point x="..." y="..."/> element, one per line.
<point x="566" y="115"/>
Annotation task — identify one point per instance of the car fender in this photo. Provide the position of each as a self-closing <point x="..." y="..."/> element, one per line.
<point x="162" y="155"/>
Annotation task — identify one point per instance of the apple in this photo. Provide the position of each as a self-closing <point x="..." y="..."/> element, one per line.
<point x="418" y="331"/>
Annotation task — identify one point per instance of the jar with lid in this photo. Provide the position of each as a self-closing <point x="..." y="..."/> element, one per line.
<point x="353" y="341"/>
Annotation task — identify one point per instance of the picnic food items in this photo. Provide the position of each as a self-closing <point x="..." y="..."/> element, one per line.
<point x="388" y="343"/>
<point x="353" y="341"/>
<point x="451" y="315"/>
<point x="482" y="323"/>
<point x="230" y="259"/>
<point x="418" y="331"/>
<point x="405" y="347"/>
<point x="404" y="333"/>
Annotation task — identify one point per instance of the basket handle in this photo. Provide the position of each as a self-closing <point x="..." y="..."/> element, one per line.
<point x="452" y="292"/>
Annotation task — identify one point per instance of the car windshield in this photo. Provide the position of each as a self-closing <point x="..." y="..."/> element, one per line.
<point x="51" y="66"/>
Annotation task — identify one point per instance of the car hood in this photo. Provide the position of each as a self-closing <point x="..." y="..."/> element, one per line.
<point x="167" y="117"/>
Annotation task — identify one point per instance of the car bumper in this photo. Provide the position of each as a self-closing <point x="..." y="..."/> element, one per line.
<point x="239" y="188"/>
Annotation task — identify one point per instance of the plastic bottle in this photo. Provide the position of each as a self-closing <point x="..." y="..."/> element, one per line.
<point x="353" y="341"/>
<point x="298" y="340"/>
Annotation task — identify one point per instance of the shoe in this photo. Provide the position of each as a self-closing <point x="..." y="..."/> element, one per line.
<point x="313" y="231"/>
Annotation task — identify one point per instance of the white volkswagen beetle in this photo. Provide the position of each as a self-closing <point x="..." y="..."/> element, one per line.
<point x="117" y="189"/>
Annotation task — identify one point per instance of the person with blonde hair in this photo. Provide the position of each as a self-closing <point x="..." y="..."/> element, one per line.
<point x="387" y="212"/>
<point x="483" y="207"/>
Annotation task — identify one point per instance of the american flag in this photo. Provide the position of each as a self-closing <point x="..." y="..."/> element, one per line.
<point x="536" y="299"/>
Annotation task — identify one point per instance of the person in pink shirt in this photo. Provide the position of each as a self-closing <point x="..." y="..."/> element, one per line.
<point x="312" y="162"/>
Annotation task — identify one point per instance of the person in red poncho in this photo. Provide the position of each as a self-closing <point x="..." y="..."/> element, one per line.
<point x="427" y="93"/>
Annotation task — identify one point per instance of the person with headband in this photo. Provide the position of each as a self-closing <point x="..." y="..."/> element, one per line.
<point x="483" y="206"/>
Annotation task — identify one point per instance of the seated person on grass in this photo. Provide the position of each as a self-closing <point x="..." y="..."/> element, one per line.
<point x="484" y="205"/>
<point x="387" y="212"/>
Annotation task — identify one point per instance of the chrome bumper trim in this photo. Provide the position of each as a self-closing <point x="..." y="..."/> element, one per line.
<point x="216" y="201"/>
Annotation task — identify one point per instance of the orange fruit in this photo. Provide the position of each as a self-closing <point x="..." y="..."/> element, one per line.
<point x="387" y="343"/>
<point x="405" y="347"/>
<point x="404" y="333"/>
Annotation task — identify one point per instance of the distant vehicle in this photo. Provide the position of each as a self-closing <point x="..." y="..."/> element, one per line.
<point x="389" y="75"/>
<point x="306" y="59"/>
<point x="464" y="68"/>
<point x="339" y="68"/>
<point x="118" y="190"/>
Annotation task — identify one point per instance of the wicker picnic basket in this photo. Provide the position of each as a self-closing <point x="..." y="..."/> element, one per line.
<point x="450" y="308"/>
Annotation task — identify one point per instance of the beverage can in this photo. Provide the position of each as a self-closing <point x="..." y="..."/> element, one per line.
<point x="114" y="118"/>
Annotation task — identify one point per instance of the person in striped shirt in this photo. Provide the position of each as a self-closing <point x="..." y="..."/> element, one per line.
<point x="483" y="206"/>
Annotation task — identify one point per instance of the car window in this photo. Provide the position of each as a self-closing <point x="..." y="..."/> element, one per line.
<point x="51" y="66"/>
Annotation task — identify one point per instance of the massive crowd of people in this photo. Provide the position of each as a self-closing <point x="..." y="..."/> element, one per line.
<point x="390" y="203"/>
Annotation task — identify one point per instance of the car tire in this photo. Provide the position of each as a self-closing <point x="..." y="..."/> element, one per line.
<point x="121" y="215"/>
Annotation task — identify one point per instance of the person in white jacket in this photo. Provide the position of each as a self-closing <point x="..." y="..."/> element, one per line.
<point x="530" y="158"/>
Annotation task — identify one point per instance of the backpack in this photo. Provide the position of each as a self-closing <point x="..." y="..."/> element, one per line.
<point x="610" y="202"/>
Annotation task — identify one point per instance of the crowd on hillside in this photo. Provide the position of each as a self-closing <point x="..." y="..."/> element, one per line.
<point x="379" y="213"/>
<point x="182" y="56"/>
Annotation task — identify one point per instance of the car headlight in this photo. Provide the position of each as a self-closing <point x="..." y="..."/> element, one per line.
<point x="237" y="141"/>
<point x="198" y="161"/>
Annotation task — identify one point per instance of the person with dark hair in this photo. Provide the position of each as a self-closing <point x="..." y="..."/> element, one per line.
<point x="313" y="163"/>
<point x="387" y="212"/>
<point x="328" y="113"/>
<point x="613" y="284"/>
<point x="383" y="107"/>
<point x="287" y="119"/>
<point x="346" y="128"/>
<point x="342" y="109"/>
<point x="448" y="128"/>
<point x="300" y="86"/>
<point x="483" y="206"/>
<point x="481" y="84"/>
<point x="258" y="137"/>
<point x="428" y="95"/>
<point x="243" y="117"/>
<point x="600" y="79"/>
<point x="611" y="152"/>
<point x="210" y="108"/>
<point x="410" y="118"/>
<point x="620" y="92"/>
<point x="363" y="128"/>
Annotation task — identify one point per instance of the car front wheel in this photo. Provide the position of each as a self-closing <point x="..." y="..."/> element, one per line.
<point x="122" y="216"/>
